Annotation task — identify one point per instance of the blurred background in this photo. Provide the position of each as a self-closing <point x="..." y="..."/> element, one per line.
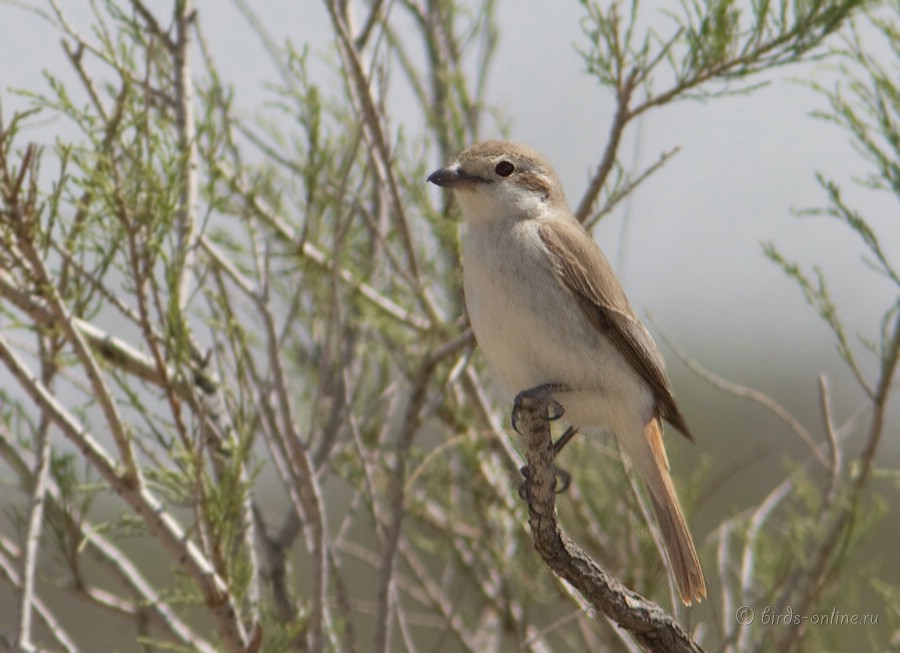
<point x="688" y="245"/>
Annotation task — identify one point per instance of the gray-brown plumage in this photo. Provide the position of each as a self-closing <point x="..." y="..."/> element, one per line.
<point x="547" y="308"/>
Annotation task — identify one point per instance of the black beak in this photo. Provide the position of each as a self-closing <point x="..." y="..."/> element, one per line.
<point x="445" y="177"/>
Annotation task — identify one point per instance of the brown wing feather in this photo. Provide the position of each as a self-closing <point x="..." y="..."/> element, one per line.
<point x="590" y="278"/>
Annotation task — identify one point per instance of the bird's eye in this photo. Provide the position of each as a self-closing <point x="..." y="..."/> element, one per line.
<point x="504" y="168"/>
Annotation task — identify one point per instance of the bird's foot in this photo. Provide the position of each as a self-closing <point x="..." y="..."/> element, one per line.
<point x="563" y="478"/>
<point x="562" y="482"/>
<point x="543" y="391"/>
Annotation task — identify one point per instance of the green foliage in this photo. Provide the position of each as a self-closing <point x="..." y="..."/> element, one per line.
<point x="718" y="41"/>
<point x="240" y="302"/>
<point x="866" y="104"/>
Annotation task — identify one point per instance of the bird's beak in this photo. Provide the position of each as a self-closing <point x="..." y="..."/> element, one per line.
<point x="446" y="177"/>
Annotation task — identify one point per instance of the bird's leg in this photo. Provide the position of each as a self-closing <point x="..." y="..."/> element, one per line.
<point x="564" y="439"/>
<point x="564" y="478"/>
<point x="554" y="412"/>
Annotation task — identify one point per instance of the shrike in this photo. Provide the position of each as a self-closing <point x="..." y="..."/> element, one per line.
<point x="547" y="310"/>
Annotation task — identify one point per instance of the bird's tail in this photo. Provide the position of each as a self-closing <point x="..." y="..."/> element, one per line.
<point x="683" y="563"/>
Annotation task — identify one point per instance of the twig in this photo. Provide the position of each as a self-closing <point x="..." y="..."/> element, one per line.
<point x="307" y="487"/>
<point x="321" y="259"/>
<point x="843" y="522"/>
<point x="723" y="562"/>
<point x="753" y="395"/>
<point x="131" y="488"/>
<point x="105" y="552"/>
<point x="85" y="355"/>
<point x="396" y="503"/>
<point x="834" y="449"/>
<point x="48" y="616"/>
<point x="187" y="144"/>
<point x="623" y="115"/>
<point x="448" y="608"/>
<point x="377" y="141"/>
<point x="629" y="185"/>
<point x="35" y="523"/>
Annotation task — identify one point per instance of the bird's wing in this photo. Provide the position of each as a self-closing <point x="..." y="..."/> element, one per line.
<point x="582" y="269"/>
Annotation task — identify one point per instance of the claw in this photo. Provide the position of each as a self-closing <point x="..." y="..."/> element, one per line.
<point x="563" y="480"/>
<point x="514" y="418"/>
<point x="554" y="412"/>
<point x="554" y="408"/>
<point x="523" y="487"/>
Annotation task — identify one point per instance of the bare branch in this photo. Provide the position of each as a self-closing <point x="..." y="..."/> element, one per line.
<point x="648" y="623"/>
<point x="40" y="476"/>
<point x="621" y="118"/>
<point x="60" y="634"/>
<point x="755" y="396"/>
<point x="187" y="145"/>
<point x="145" y="504"/>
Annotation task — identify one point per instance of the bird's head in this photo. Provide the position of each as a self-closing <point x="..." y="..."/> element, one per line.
<point x="500" y="180"/>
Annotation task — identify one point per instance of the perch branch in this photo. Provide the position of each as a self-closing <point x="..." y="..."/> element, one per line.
<point x="651" y="626"/>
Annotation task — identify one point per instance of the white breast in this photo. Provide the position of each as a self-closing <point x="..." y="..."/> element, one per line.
<point x="530" y="328"/>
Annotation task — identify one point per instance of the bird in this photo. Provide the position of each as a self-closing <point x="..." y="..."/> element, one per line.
<point x="548" y="311"/>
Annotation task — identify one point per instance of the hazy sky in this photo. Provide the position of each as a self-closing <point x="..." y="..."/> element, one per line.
<point x="691" y="253"/>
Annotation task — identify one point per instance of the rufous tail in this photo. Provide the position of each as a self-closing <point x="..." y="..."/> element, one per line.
<point x="683" y="562"/>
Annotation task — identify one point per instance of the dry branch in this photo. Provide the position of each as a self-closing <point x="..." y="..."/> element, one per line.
<point x="651" y="626"/>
